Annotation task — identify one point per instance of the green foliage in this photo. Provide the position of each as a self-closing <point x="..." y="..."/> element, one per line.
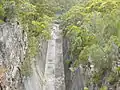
<point x="85" y="88"/>
<point x="103" y="88"/>
<point x="10" y="9"/>
<point x="93" y="31"/>
<point x="35" y="19"/>
<point x="37" y="27"/>
<point x="31" y="53"/>
<point x="2" y="12"/>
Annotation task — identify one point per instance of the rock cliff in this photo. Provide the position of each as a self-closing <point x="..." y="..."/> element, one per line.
<point x="13" y="45"/>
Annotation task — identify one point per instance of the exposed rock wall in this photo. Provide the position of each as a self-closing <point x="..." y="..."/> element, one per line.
<point x="73" y="80"/>
<point x="13" y="45"/>
<point x="36" y="80"/>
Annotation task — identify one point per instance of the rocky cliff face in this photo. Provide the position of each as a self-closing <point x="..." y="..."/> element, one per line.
<point x="36" y="80"/>
<point x="73" y="80"/>
<point x="13" y="45"/>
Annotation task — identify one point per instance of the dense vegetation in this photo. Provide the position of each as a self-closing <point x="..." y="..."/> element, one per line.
<point x="35" y="16"/>
<point x="29" y="16"/>
<point x="91" y="26"/>
<point x="93" y="30"/>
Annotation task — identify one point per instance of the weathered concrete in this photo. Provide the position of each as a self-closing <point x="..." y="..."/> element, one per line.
<point x="50" y="66"/>
<point x="59" y="66"/>
<point x="54" y="71"/>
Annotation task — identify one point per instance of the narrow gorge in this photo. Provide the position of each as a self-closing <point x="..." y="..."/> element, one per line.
<point x="47" y="67"/>
<point x="59" y="44"/>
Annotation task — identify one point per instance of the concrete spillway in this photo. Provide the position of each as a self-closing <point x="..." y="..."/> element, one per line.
<point x="54" y="68"/>
<point x="48" y="68"/>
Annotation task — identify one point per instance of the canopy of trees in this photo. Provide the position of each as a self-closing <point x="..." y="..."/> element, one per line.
<point x="93" y="30"/>
<point x="35" y="16"/>
<point x="92" y="27"/>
